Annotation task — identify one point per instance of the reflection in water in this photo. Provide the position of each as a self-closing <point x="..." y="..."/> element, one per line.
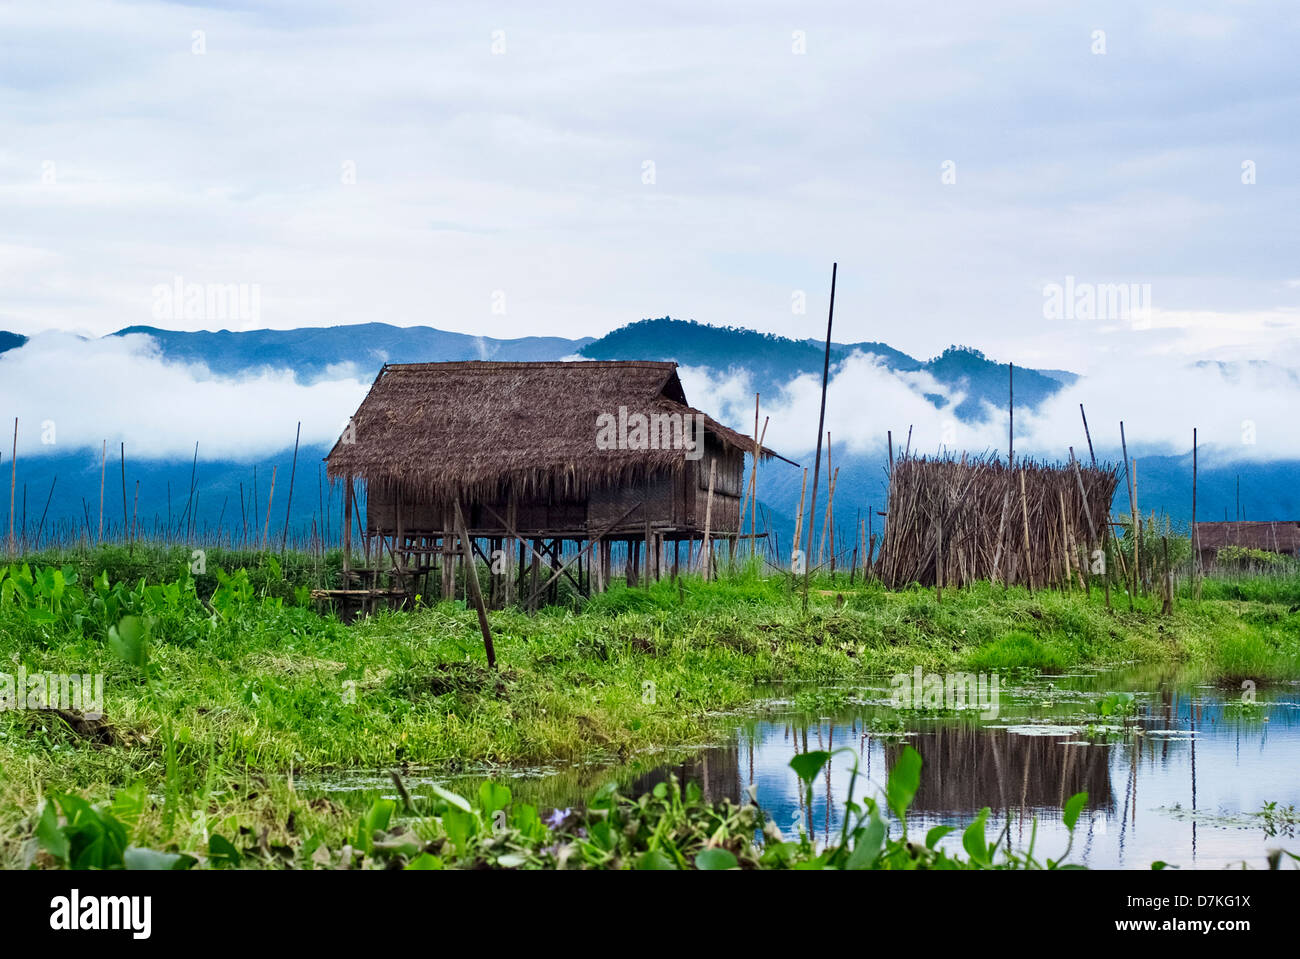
<point x="1175" y="781"/>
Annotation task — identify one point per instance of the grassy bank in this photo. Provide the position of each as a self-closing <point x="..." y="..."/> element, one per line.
<point x="227" y="687"/>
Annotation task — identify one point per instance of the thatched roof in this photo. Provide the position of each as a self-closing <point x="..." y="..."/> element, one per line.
<point x="1280" y="536"/>
<point x="470" y="429"/>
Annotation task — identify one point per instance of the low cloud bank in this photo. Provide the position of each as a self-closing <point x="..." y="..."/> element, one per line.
<point x="71" y="393"/>
<point x="1243" y="412"/>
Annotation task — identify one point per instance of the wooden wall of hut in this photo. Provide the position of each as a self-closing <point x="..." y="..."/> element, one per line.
<point x="976" y="519"/>
<point x="677" y="499"/>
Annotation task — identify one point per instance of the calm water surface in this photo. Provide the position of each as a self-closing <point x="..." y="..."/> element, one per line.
<point x="1175" y="781"/>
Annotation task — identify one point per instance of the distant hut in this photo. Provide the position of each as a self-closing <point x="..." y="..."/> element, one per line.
<point x="536" y="455"/>
<point x="1270" y="536"/>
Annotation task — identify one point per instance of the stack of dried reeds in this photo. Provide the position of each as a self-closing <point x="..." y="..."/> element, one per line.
<point x="951" y="522"/>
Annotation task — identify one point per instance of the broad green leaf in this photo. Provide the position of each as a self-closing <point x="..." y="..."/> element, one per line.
<point x="904" y="779"/>
<point x="425" y="861"/>
<point x="379" y="815"/>
<point x="974" y="841"/>
<point x="222" y="851"/>
<point x="49" y="835"/>
<point x="934" y="835"/>
<point x="604" y="797"/>
<point x="807" y="765"/>
<point x="491" y="797"/>
<point x="459" y="826"/>
<point x="1074" y="806"/>
<point x="460" y="802"/>
<point x="128" y="804"/>
<point x="655" y="859"/>
<point x="870" y="840"/>
<point x="129" y="641"/>
<point x="140" y="859"/>
<point x="715" y="858"/>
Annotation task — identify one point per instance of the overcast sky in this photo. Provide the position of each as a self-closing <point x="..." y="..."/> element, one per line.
<point x="501" y="156"/>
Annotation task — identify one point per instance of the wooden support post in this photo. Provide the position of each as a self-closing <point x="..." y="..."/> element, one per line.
<point x="512" y="513"/>
<point x="347" y="534"/>
<point x="448" y="556"/>
<point x="706" y="560"/>
<point x="472" y="587"/>
<point x="534" y="572"/>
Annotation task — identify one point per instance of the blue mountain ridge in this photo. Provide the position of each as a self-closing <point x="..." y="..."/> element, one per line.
<point x="1268" y="491"/>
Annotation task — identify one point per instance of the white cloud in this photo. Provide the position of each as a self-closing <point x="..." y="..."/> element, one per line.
<point x="1242" y="411"/>
<point x="119" y="389"/>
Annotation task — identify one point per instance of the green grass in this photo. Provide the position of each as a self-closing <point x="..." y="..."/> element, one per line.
<point x="243" y="686"/>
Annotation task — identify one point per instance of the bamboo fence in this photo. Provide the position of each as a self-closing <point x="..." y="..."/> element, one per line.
<point x="951" y="522"/>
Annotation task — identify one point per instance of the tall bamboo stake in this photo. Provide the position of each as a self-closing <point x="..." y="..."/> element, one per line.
<point x="266" y="532"/>
<point x="13" y="479"/>
<point x="1196" y="537"/>
<point x="798" y="522"/>
<point x="1088" y="436"/>
<point x="1011" y="414"/>
<point x="1132" y="505"/>
<point x="126" y="529"/>
<point x="821" y="425"/>
<point x="103" y="467"/>
<point x="284" y="539"/>
<point x="1137" y="525"/>
<point x="826" y="522"/>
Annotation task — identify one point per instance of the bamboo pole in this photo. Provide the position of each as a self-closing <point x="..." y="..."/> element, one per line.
<point x="266" y="532"/>
<point x="1011" y="414"/>
<point x="798" y="522"/>
<point x="103" y="468"/>
<point x="821" y="425"/>
<point x="471" y="581"/>
<point x="1137" y="524"/>
<point x="126" y="529"/>
<point x="1132" y="504"/>
<point x="41" y="527"/>
<point x="293" y="472"/>
<point x="1029" y="558"/>
<point x="13" y="479"/>
<point x="706" y="559"/>
<point x="1088" y="436"/>
<point x="1196" y="536"/>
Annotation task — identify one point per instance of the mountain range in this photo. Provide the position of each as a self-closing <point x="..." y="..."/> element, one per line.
<point x="771" y="363"/>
